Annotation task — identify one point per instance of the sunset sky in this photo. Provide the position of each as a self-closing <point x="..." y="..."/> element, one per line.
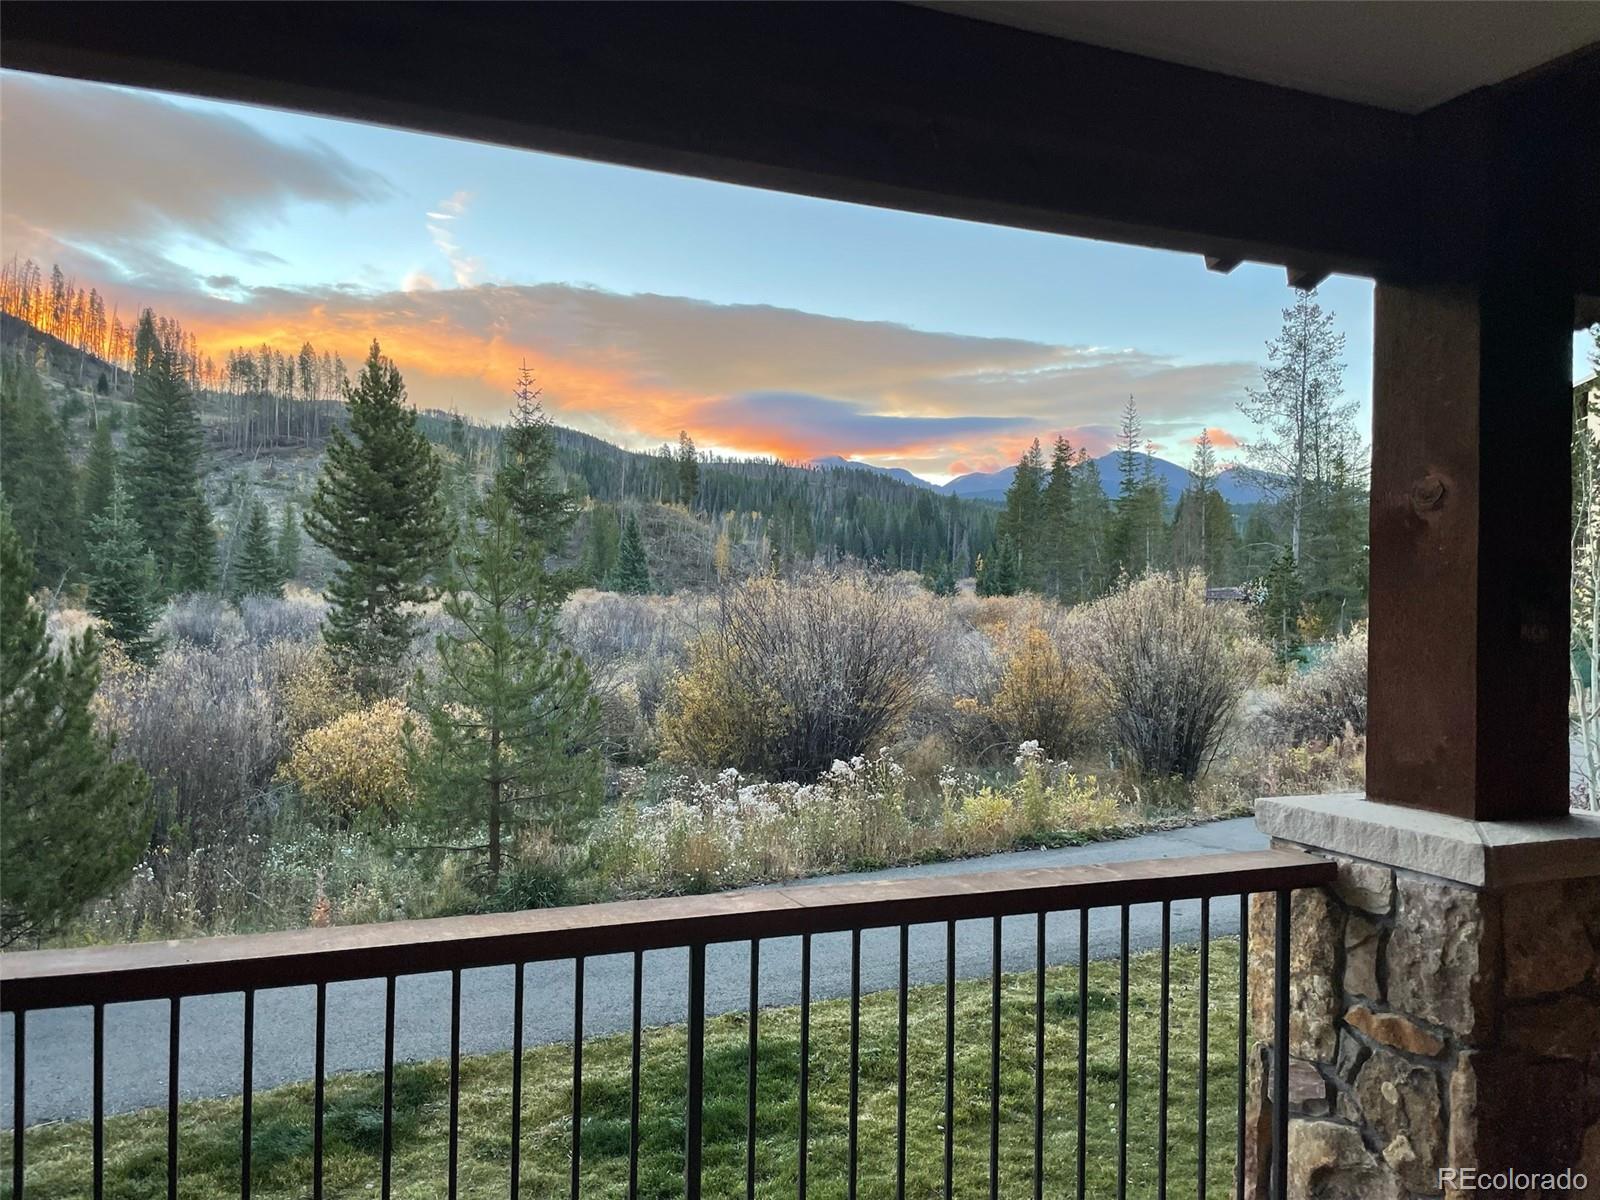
<point x="645" y="303"/>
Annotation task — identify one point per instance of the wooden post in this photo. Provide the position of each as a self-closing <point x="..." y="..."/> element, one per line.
<point x="1471" y="519"/>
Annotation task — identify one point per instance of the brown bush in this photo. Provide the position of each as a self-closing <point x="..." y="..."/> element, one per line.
<point x="795" y="674"/>
<point x="1329" y="701"/>
<point x="1044" y="699"/>
<point x="1172" y="670"/>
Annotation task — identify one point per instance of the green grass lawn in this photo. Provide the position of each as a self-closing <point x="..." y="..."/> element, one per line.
<point x="58" y="1155"/>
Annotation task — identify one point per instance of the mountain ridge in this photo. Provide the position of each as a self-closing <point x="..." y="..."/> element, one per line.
<point x="1236" y="483"/>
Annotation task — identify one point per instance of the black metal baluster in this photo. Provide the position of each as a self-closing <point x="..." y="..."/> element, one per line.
<point x="577" y="1075"/>
<point x="99" y="1101"/>
<point x="1038" y="1061"/>
<point x="900" y="1110"/>
<point x="994" y="1064"/>
<point x="516" y="1082"/>
<point x="949" y="1058"/>
<point x="633" y="1100"/>
<point x="1244" y="1025"/>
<point x="805" y="1059"/>
<point x="1164" y="1052"/>
<point x="750" y="1079"/>
<point x="1083" y="1046"/>
<point x="696" y="1082"/>
<point x="318" y="1096"/>
<point x="855" y="1056"/>
<point x="1122" y="1066"/>
<point x="455" y="1077"/>
<point x="388" y="1086"/>
<point x="1280" y="1052"/>
<point x="247" y="1096"/>
<point x="173" y="1017"/>
<point x="19" y="1073"/>
<point x="1205" y="1042"/>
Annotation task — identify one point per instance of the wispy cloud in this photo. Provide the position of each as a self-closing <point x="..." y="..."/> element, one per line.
<point x="463" y="267"/>
<point x="103" y="179"/>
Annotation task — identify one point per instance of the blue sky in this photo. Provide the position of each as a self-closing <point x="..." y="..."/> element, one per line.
<point x="761" y="322"/>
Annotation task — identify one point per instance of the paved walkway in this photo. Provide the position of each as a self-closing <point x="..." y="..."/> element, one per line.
<point x="58" y="1049"/>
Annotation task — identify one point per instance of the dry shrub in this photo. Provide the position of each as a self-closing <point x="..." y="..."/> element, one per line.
<point x="204" y="725"/>
<point x="1172" y="670"/>
<point x="1329" y="701"/>
<point x="794" y="675"/>
<point x="1044" y="699"/>
<point x="314" y="691"/>
<point x="356" y="763"/>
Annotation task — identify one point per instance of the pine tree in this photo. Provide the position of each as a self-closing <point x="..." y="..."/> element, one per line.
<point x="146" y="344"/>
<point x="99" y="473"/>
<point x="289" y="545"/>
<point x="546" y="510"/>
<point x="600" y="549"/>
<point x="633" y="568"/>
<point x="58" y="779"/>
<point x="257" y="570"/>
<point x="377" y="509"/>
<point x="997" y="571"/>
<point x="1280" y="610"/>
<point x="1060" y="538"/>
<point x="194" y="565"/>
<point x="688" y="460"/>
<point x="1096" y="566"/>
<point x="122" y="579"/>
<point x="1022" y="522"/>
<point x="36" y="477"/>
<point x="163" y="461"/>
<point x="513" y="724"/>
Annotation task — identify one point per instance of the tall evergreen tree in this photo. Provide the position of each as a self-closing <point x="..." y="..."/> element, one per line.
<point x="633" y="567"/>
<point x="529" y="475"/>
<point x="74" y="817"/>
<point x="163" y="461"/>
<point x="600" y="548"/>
<point x="99" y="473"/>
<point x="256" y="571"/>
<point x="1022" y="524"/>
<point x="377" y="509"/>
<point x="36" y="477"/>
<point x="194" y="568"/>
<point x="688" y="460"/>
<point x="122" y="579"/>
<point x="1060" y="540"/>
<point x="289" y="545"/>
<point x="1096" y="565"/>
<point x="146" y="344"/>
<point x="512" y="720"/>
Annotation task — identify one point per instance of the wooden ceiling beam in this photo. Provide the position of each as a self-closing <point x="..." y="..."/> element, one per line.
<point x="879" y="103"/>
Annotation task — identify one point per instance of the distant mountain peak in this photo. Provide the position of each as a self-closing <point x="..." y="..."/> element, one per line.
<point x="837" y="462"/>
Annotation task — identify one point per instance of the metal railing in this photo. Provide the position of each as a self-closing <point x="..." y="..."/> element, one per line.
<point x="174" y="971"/>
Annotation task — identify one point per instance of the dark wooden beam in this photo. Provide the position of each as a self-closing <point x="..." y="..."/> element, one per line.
<point x="1222" y="266"/>
<point x="1471" y="509"/>
<point x="1307" y="278"/>
<point x="885" y="104"/>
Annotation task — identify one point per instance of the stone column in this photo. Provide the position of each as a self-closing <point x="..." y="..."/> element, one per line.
<point x="1445" y="1006"/>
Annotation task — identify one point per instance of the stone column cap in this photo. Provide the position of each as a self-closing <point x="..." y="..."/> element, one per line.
<point x="1476" y="853"/>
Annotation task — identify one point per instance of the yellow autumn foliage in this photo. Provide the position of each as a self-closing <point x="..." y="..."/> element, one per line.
<point x="355" y="763"/>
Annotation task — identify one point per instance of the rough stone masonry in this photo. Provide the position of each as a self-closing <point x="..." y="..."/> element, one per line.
<point x="1434" y="1024"/>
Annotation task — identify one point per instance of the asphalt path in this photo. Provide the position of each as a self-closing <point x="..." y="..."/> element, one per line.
<point x="59" y="1070"/>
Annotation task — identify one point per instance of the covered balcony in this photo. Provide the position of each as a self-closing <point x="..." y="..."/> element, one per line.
<point x="1414" y="996"/>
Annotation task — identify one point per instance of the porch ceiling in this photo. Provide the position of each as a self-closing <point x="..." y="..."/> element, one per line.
<point x="1403" y="57"/>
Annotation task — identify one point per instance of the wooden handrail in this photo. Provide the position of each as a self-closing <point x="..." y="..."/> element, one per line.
<point x="156" y="970"/>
